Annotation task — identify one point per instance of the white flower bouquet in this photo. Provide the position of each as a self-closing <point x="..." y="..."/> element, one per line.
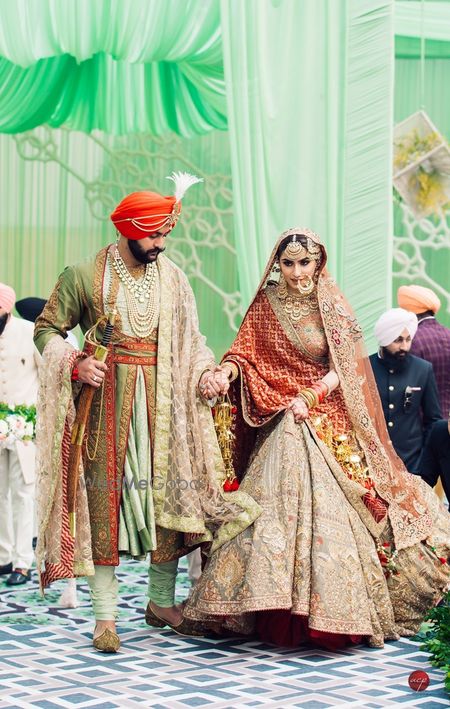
<point x="16" y="424"/>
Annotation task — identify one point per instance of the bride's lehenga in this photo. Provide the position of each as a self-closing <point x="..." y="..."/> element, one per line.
<point x="349" y="545"/>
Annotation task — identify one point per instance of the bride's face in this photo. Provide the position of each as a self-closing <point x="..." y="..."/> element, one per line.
<point x="296" y="270"/>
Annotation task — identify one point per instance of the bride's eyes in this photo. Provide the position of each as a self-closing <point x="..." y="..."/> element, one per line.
<point x="288" y="264"/>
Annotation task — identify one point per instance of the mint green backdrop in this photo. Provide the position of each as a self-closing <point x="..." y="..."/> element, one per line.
<point x="285" y="107"/>
<point x="422" y="80"/>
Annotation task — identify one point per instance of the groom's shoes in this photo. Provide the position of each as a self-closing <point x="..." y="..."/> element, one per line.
<point x="6" y="569"/>
<point x="108" y="641"/>
<point x="187" y="627"/>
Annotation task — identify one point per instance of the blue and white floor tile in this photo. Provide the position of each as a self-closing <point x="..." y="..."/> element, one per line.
<point x="47" y="661"/>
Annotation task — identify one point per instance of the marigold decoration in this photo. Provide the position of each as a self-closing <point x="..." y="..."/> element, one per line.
<point x="223" y="413"/>
<point x="421" y="165"/>
<point x="16" y="424"/>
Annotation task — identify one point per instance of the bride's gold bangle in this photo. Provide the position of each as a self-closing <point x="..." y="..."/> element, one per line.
<point x="310" y="397"/>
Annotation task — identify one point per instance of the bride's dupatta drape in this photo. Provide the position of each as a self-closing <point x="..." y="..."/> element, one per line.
<point x="313" y="554"/>
<point x="270" y="381"/>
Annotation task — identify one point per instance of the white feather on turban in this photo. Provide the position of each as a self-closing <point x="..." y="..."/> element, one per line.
<point x="392" y="323"/>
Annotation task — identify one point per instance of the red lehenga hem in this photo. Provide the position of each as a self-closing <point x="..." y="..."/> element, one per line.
<point x="281" y="627"/>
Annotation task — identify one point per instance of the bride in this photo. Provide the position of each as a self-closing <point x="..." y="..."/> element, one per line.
<point x="349" y="545"/>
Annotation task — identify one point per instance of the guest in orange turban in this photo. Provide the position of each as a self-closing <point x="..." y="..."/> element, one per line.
<point x="432" y="341"/>
<point x="418" y="299"/>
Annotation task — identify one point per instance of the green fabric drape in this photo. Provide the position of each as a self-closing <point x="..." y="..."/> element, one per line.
<point x="309" y="88"/>
<point x="417" y="18"/>
<point x="120" y="66"/>
<point x="113" y="96"/>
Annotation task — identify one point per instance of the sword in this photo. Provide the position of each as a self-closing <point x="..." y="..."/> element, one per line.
<point x="79" y="426"/>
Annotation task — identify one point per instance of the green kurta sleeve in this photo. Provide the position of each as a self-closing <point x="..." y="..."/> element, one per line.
<point x="63" y="311"/>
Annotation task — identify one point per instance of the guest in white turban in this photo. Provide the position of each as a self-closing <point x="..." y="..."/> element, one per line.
<point x="406" y="385"/>
<point x="396" y="324"/>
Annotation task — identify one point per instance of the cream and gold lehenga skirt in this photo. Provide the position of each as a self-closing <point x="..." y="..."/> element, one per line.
<point x="314" y="551"/>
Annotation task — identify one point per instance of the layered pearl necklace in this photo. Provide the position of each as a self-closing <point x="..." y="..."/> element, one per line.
<point x="142" y="296"/>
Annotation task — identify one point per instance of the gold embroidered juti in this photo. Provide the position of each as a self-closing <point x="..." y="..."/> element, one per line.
<point x="147" y="426"/>
<point x="328" y="559"/>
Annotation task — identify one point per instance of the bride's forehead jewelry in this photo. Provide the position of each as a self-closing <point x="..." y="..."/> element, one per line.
<point x="295" y="249"/>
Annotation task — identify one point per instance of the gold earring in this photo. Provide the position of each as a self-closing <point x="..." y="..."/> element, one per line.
<point x="282" y="287"/>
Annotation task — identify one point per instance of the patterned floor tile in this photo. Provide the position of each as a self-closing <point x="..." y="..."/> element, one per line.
<point x="47" y="661"/>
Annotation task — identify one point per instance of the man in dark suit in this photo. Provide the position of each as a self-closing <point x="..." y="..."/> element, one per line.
<point x="435" y="459"/>
<point x="406" y="386"/>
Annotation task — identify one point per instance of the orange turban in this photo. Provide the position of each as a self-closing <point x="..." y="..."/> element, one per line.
<point x="418" y="299"/>
<point x="143" y="213"/>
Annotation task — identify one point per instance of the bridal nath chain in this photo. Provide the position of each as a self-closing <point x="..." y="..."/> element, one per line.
<point x="142" y="296"/>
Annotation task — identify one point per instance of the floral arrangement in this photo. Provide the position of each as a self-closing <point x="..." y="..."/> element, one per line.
<point x="16" y="424"/>
<point x="413" y="147"/>
<point x="429" y="189"/>
<point x="421" y="165"/>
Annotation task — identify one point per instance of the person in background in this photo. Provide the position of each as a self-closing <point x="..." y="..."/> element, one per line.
<point x="19" y="362"/>
<point x="432" y="340"/>
<point x="435" y="459"/>
<point x="406" y="386"/>
<point x="30" y="309"/>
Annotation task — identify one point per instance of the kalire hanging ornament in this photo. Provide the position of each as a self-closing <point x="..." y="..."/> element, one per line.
<point x="223" y="413"/>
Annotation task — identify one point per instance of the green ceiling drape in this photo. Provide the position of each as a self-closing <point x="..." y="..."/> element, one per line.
<point x="120" y="66"/>
<point x="305" y="90"/>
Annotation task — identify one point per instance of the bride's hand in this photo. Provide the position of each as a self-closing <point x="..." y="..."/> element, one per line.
<point x="299" y="409"/>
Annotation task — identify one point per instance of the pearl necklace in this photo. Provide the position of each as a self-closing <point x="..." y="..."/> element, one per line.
<point x="142" y="296"/>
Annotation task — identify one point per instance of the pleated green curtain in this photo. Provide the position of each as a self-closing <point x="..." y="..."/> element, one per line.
<point x="305" y="90"/>
<point x="120" y="66"/>
<point x="310" y="90"/>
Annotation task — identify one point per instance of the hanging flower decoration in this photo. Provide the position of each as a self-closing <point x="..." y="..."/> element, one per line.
<point x="421" y="165"/>
<point x="16" y="424"/>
